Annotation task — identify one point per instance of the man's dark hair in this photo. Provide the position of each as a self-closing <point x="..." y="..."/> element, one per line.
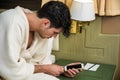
<point x="58" y="14"/>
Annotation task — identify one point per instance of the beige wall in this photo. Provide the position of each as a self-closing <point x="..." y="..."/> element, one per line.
<point x="111" y="25"/>
<point x="67" y="2"/>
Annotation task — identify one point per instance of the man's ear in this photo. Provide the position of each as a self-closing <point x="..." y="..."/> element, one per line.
<point x="46" y="22"/>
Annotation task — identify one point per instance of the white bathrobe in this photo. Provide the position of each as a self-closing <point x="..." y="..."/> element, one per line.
<point x="16" y="61"/>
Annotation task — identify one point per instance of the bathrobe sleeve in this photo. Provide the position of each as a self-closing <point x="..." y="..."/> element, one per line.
<point x="12" y="31"/>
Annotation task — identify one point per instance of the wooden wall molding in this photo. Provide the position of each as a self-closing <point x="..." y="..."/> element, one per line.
<point x="30" y="4"/>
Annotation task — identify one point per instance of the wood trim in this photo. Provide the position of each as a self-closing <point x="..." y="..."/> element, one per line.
<point x="30" y="4"/>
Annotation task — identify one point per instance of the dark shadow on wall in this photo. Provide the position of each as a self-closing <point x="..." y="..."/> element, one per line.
<point x="30" y="4"/>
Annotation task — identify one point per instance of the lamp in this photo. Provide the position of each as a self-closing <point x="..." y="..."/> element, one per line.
<point x="82" y="11"/>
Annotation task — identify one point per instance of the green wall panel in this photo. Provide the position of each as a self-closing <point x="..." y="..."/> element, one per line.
<point x="90" y="45"/>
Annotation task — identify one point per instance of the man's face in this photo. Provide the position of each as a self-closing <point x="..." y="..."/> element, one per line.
<point x="49" y="32"/>
<point x="44" y="29"/>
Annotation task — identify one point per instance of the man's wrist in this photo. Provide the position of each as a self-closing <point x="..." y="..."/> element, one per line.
<point x="38" y="68"/>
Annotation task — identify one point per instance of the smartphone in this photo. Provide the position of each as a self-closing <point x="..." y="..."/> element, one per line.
<point x="76" y="66"/>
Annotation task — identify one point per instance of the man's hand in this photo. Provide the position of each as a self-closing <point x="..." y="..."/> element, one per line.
<point x="72" y="72"/>
<point x="56" y="70"/>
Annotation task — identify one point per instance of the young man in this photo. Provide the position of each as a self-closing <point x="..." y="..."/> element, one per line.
<point x="25" y="42"/>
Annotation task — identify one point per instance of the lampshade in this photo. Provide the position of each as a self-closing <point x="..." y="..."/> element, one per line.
<point x="82" y="10"/>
